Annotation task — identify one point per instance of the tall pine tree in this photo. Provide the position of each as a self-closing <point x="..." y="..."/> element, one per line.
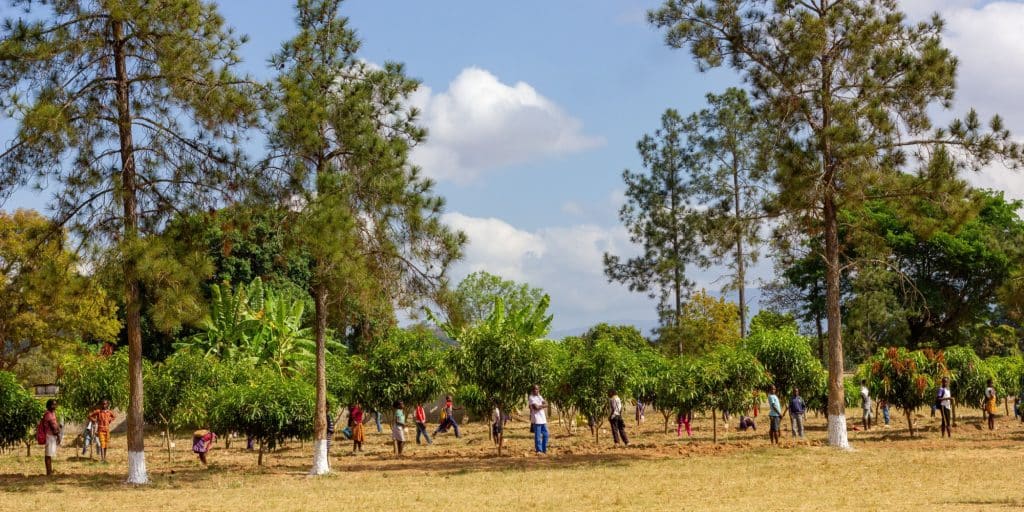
<point x="127" y="109"/>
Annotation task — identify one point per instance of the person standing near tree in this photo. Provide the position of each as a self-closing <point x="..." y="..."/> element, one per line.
<point x="103" y="417"/>
<point x="51" y="428"/>
<point x="683" y="419"/>
<point x="865" y="404"/>
<point x="420" y="416"/>
<point x="774" y="415"/>
<point x="356" y="417"/>
<point x="797" y="410"/>
<point x="449" y="418"/>
<point x="990" y="404"/>
<point x="538" y="420"/>
<point x="497" y="426"/>
<point x="615" y="418"/>
<point x="398" y="429"/>
<point x="945" y="402"/>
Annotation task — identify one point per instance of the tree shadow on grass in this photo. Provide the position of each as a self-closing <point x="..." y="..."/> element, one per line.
<point x="446" y="466"/>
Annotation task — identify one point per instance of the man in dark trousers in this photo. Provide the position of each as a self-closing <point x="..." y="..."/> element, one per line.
<point x="618" y="424"/>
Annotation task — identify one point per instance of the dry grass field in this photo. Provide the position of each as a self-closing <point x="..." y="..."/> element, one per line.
<point x="976" y="470"/>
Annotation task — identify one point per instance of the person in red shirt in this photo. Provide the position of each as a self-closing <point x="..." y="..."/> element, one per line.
<point x="52" y="429"/>
<point x="103" y="417"/>
<point x="421" y="424"/>
<point x="356" y="416"/>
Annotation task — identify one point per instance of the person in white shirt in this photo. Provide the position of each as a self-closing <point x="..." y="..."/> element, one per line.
<point x="497" y="427"/>
<point x="538" y="420"/>
<point x="618" y="424"/>
<point x="865" y="403"/>
<point x="945" y="400"/>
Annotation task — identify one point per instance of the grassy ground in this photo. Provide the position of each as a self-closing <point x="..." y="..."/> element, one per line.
<point x="975" y="470"/>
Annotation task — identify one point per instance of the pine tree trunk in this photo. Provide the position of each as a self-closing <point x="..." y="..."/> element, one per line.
<point x="740" y="264"/>
<point x="321" y="465"/>
<point x="132" y="299"/>
<point x="837" y="436"/>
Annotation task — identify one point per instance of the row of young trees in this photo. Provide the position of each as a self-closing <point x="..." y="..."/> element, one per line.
<point x="134" y="113"/>
<point x="832" y="138"/>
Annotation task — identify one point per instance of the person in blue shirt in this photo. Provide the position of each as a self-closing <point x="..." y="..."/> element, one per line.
<point x="797" y="410"/>
<point x="774" y="415"/>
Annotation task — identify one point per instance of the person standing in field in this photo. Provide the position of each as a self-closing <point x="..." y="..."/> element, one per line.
<point x="103" y="417"/>
<point x="538" y="420"/>
<point x="945" y="402"/>
<point x="683" y="419"/>
<point x="774" y="415"/>
<point x="51" y="429"/>
<point x="615" y="418"/>
<point x="356" y="417"/>
<point x="797" y="411"/>
<point x="398" y="428"/>
<point x="497" y="426"/>
<point x="865" y="404"/>
<point x="202" y="440"/>
<point x="420" y="416"/>
<point x="883" y="404"/>
<point x="990" y="404"/>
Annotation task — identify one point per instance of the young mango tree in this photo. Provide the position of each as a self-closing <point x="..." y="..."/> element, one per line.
<point x="179" y="391"/>
<point x="788" y="359"/>
<point x="19" y="413"/>
<point x="595" y="368"/>
<point x="269" y="407"/>
<point x="968" y="376"/>
<point x="1009" y="377"/>
<point x="903" y="378"/>
<point x="680" y="389"/>
<point x="653" y="368"/>
<point x="89" y="379"/>
<point x="730" y="376"/>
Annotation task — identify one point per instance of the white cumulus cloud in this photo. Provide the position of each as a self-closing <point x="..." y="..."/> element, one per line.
<point x="481" y="124"/>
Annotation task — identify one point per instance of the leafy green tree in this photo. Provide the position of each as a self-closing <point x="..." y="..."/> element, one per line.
<point x="768" y="319"/>
<point x="902" y="378"/>
<point x="968" y="376"/>
<point x="179" y="391"/>
<point x="473" y="298"/>
<point x="504" y="355"/>
<point x="367" y="220"/>
<point x="787" y="357"/>
<point x="653" y="369"/>
<point x="1009" y="377"/>
<point x="269" y="407"/>
<point x="681" y="388"/>
<point x="595" y="368"/>
<point x="408" y="364"/>
<point x="19" y="413"/>
<point x="729" y="376"/>
<point x="658" y="215"/>
<point x="89" y="379"/>
<point x="849" y="87"/>
<point x="704" y="323"/>
<point x="732" y="180"/>
<point x="128" y="110"/>
<point x="46" y="306"/>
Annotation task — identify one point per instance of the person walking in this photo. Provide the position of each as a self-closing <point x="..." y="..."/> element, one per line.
<point x="497" y="426"/>
<point x="398" y="428"/>
<point x="51" y="429"/>
<point x="420" y="417"/>
<point x="615" y="418"/>
<point x="945" y="403"/>
<point x="774" y="415"/>
<point x="683" y="419"/>
<point x="797" y="412"/>
<point x="990" y="404"/>
<point x="865" y="404"/>
<point x="538" y="420"/>
<point x="202" y="440"/>
<point x="449" y="418"/>
<point x="103" y="417"/>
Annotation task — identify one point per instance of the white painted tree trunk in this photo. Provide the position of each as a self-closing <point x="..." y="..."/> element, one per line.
<point x="321" y="464"/>
<point x="837" y="432"/>
<point x="137" y="468"/>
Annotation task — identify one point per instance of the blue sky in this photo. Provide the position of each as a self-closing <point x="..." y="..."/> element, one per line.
<point x="535" y="108"/>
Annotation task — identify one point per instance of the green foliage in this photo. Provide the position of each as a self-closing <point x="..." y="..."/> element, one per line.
<point x="787" y="357"/>
<point x="473" y="299"/>
<point x="683" y="387"/>
<point x="595" y="368"/>
<point x="1008" y="373"/>
<point x="409" y="365"/>
<point x="179" y="389"/>
<point x="623" y="335"/>
<point x="968" y="375"/>
<point x="902" y="378"/>
<point x="767" y="320"/>
<point x="269" y="407"/>
<point x="730" y="375"/>
<point x="704" y="323"/>
<point x="89" y="379"/>
<point x="46" y="306"/>
<point x="504" y="355"/>
<point x="19" y="413"/>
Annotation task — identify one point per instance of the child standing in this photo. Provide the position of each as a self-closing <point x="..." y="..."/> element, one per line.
<point x="103" y="417"/>
<point x="356" y="416"/>
<point x="421" y="424"/>
<point x="398" y="429"/>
